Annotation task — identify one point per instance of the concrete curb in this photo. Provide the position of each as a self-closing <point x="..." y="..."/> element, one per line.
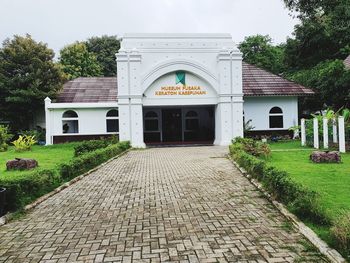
<point x="331" y="254"/>
<point x="6" y="218"/>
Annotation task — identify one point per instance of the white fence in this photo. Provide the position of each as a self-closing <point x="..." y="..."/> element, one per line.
<point x="338" y="130"/>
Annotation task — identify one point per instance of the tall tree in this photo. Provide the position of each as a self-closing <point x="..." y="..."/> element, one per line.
<point x="105" y="48"/>
<point x="260" y="51"/>
<point x="324" y="32"/>
<point x="28" y="74"/>
<point x="77" y="61"/>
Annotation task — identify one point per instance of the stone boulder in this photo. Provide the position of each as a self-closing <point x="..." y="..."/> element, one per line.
<point x="21" y="164"/>
<point x="325" y="157"/>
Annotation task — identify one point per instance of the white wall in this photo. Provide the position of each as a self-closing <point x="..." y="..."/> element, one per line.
<point x="257" y="109"/>
<point x="91" y="121"/>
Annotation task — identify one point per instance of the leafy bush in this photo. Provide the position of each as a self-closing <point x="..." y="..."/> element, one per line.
<point x="253" y="147"/>
<point x="5" y="136"/>
<point x="38" y="133"/>
<point x="87" y="161"/>
<point x="23" y="189"/>
<point x="92" y="145"/>
<point x="300" y="200"/>
<point x="24" y="143"/>
<point x="341" y="231"/>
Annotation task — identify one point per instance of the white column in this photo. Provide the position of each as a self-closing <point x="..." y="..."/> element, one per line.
<point x="316" y="139"/>
<point x="335" y="134"/>
<point x="136" y="121"/>
<point x="303" y="133"/>
<point x="223" y="122"/>
<point x="341" y="134"/>
<point x="48" y="121"/>
<point x="325" y="133"/>
<point x="124" y="119"/>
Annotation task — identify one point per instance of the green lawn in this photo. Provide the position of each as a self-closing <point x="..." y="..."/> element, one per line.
<point x="331" y="181"/>
<point x="47" y="156"/>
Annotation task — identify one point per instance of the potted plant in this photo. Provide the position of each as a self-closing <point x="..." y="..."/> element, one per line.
<point x="2" y="200"/>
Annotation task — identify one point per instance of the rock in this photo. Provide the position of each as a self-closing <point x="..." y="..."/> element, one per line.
<point x="21" y="164"/>
<point x="325" y="157"/>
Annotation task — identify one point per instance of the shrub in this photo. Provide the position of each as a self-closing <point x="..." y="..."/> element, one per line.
<point x="87" y="161"/>
<point x="5" y="136"/>
<point x="89" y="146"/>
<point x="24" y="143"/>
<point x="341" y="231"/>
<point x="23" y="189"/>
<point x="253" y="147"/>
<point x="299" y="199"/>
<point x="38" y="133"/>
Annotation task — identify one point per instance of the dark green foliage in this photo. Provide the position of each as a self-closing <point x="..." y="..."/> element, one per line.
<point x="253" y="147"/>
<point x="300" y="200"/>
<point x="341" y="232"/>
<point x="88" y="146"/>
<point x="23" y="189"/>
<point x="105" y="48"/>
<point x="5" y="137"/>
<point x="28" y="74"/>
<point x="89" y="160"/>
<point x="76" y="61"/>
<point x="260" y="51"/>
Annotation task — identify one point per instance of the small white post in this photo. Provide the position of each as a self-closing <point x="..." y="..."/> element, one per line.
<point x="303" y="133"/>
<point x="341" y="127"/>
<point x="325" y="133"/>
<point x="335" y="134"/>
<point x="316" y="140"/>
<point x="48" y="121"/>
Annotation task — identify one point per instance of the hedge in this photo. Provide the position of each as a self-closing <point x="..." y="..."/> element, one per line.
<point x="22" y="190"/>
<point x="300" y="200"/>
<point x="92" y="145"/>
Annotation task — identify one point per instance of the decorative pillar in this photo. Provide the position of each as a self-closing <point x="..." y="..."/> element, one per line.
<point x="48" y="136"/>
<point x="316" y="139"/>
<point x="303" y="133"/>
<point x="341" y="126"/>
<point x="335" y="131"/>
<point x="325" y="133"/>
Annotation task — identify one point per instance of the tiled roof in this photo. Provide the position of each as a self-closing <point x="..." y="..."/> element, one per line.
<point x="256" y="82"/>
<point x="92" y="89"/>
<point x="259" y="82"/>
<point x="347" y="62"/>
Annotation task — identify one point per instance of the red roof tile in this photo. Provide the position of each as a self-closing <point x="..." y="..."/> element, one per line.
<point x="259" y="82"/>
<point x="93" y="89"/>
<point x="256" y="82"/>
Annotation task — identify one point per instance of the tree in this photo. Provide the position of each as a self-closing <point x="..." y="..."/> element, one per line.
<point x="258" y="50"/>
<point x="28" y="74"/>
<point x="77" y="61"/>
<point x="324" y="32"/>
<point x="331" y="81"/>
<point x="105" y="48"/>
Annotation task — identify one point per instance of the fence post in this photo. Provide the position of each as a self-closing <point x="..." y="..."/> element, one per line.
<point x="325" y="133"/>
<point x="316" y="140"/>
<point x="335" y="134"/>
<point x="341" y="127"/>
<point x="303" y="133"/>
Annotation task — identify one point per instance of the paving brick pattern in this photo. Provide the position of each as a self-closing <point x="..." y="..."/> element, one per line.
<point x="157" y="205"/>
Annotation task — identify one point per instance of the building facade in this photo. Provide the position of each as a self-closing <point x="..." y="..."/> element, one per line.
<point x="174" y="88"/>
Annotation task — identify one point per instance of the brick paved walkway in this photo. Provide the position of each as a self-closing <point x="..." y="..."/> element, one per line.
<point x="156" y="205"/>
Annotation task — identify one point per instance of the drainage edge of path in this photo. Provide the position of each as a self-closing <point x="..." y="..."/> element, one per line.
<point x="333" y="255"/>
<point x="7" y="218"/>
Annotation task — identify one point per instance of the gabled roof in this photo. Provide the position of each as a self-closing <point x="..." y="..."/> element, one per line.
<point x="259" y="82"/>
<point x="256" y="82"/>
<point x="347" y="62"/>
<point x="92" y="89"/>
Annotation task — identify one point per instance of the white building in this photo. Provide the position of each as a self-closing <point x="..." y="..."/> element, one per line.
<point x="174" y="88"/>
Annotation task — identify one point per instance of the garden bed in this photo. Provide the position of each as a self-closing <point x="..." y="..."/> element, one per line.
<point x="57" y="165"/>
<point x="317" y="193"/>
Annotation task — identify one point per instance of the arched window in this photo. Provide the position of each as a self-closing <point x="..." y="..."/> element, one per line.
<point x="112" y="121"/>
<point x="191" y="121"/>
<point x="70" y="122"/>
<point x="276" y="117"/>
<point x="151" y="121"/>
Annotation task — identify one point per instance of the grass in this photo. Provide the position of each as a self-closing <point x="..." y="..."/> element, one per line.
<point x="48" y="157"/>
<point x="331" y="181"/>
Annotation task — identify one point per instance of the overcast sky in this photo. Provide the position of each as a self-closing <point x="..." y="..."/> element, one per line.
<point x="60" y="22"/>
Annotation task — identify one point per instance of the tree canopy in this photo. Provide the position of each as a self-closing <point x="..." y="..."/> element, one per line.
<point x="105" y="48"/>
<point x="77" y="61"/>
<point x="28" y="74"/>
<point x="260" y="51"/>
